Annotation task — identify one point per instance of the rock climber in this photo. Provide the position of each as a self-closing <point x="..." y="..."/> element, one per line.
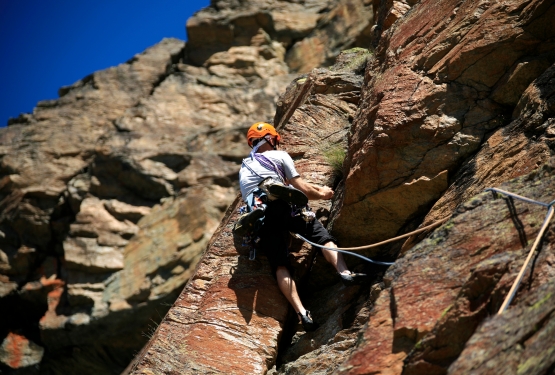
<point x="277" y="198"/>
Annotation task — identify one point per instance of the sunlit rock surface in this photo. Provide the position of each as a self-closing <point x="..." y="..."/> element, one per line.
<point x="449" y="284"/>
<point x="446" y="74"/>
<point x="313" y="32"/>
<point x="120" y="184"/>
<point x="525" y="143"/>
<point x="110" y="195"/>
<point x="231" y="316"/>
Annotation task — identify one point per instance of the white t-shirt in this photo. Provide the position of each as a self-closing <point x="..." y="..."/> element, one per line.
<point x="249" y="180"/>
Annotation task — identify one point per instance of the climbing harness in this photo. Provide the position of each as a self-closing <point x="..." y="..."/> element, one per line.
<point x="264" y="161"/>
<point x="261" y="195"/>
<point x="258" y="200"/>
<point x="546" y="221"/>
<point x="269" y="164"/>
<point x="255" y="201"/>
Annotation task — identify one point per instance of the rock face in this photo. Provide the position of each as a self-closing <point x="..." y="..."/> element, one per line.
<point x="527" y="142"/>
<point x="450" y="104"/>
<point x="84" y="178"/>
<point x="109" y="194"/>
<point x="499" y="339"/>
<point x="438" y="86"/>
<point x="18" y="352"/>
<point x="441" y="290"/>
<point x="417" y="321"/>
<point x="231" y="315"/>
<point x="314" y="32"/>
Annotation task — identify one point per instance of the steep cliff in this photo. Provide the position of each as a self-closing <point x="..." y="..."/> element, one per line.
<point x="438" y="87"/>
<point x="109" y="194"/>
<point x="457" y="97"/>
<point x="231" y="315"/>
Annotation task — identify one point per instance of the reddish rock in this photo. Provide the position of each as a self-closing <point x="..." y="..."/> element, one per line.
<point x="227" y="320"/>
<point x="427" y="111"/>
<point x="441" y="290"/>
<point x="17" y="352"/>
<point x="122" y="180"/>
<point x="51" y="320"/>
<point x="376" y="354"/>
<point x="516" y="149"/>
<point x="385" y="15"/>
<point x="498" y="342"/>
<point x="397" y="9"/>
<point x="429" y="100"/>
<point x="231" y="315"/>
<point x="138" y="164"/>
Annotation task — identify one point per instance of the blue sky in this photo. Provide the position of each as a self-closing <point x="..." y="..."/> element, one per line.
<point x="48" y="44"/>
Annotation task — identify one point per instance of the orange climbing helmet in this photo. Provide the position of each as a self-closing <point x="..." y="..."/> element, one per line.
<point x="260" y="130"/>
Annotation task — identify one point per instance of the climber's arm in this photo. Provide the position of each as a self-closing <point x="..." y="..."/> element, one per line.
<point x="310" y="190"/>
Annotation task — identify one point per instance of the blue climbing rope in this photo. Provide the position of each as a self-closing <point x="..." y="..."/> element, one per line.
<point x="344" y="252"/>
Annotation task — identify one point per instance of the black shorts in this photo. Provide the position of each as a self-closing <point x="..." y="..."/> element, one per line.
<point x="274" y="234"/>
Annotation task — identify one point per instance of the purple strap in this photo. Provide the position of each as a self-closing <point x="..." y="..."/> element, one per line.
<point x="270" y="165"/>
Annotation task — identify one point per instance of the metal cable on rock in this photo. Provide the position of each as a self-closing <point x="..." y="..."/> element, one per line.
<point x="496" y="190"/>
<point x="516" y="283"/>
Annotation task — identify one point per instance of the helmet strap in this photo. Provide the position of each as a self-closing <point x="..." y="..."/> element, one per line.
<point x="271" y="141"/>
<point x="257" y="146"/>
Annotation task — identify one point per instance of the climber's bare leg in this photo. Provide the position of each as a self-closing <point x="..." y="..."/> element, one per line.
<point x="335" y="258"/>
<point x="289" y="289"/>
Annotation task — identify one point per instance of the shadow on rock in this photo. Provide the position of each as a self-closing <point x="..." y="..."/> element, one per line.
<point x="255" y="288"/>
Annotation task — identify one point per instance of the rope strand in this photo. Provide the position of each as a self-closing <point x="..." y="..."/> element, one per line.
<point x="423" y="229"/>
<point x="343" y="251"/>
<point x="347" y="250"/>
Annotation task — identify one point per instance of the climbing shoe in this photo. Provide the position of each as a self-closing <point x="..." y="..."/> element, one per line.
<point x="307" y="321"/>
<point x="247" y="222"/>
<point x="353" y="278"/>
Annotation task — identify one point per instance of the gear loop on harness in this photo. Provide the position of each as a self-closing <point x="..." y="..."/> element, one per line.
<point x="255" y="200"/>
